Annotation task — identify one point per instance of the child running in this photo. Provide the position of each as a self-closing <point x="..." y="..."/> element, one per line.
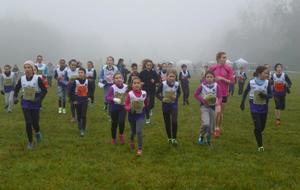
<point x="184" y="77"/>
<point x="168" y="93"/>
<point x="79" y="97"/>
<point x="209" y="95"/>
<point x="135" y="105"/>
<point x="7" y="86"/>
<point x="281" y="84"/>
<point x="149" y="79"/>
<point x="134" y="72"/>
<point x="107" y="78"/>
<point x="163" y="72"/>
<point x="33" y="91"/>
<point x="91" y="76"/>
<point x="259" y="90"/>
<point x="116" y="98"/>
<point x="61" y="77"/>
<point x="72" y="75"/>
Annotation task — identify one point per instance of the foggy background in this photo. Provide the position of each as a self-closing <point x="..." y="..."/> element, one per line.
<point x="163" y="30"/>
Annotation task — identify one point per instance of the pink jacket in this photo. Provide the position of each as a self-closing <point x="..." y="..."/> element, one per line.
<point x="226" y="72"/>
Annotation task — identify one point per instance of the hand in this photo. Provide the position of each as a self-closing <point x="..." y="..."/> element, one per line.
<point x="242" y="106"/>
<point x="75" y="102"/>
<point x="104" y="82"/>
<point x="219" y="78"/>
<point x="205" y="103"/>
<point x="117" y="100"/>
<point x="132" y="111"/>
<point x="2" y="92"/>
<point x="152" y="81"/>
<point x="173" y="98"/>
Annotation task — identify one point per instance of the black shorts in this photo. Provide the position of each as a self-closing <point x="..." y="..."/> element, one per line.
<point x="224" y="99"/>
<point x="279" y="102"/>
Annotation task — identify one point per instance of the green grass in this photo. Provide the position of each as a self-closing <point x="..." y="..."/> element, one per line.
<point x="65" y="161"/>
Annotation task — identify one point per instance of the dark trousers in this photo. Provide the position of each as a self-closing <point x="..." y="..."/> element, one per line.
<point x="117" y="119"/>
<point x="170" y="118"/>
<point x="32" y="117"/>
<point x="81" y="110"/>
<point x="49" y="79"/>
<point x="92" y="91"/>
<point x="259" y="120"/>
<point x="241" y="87"/>
<point x="151" y="98"/>
<point x="186" y="92"/>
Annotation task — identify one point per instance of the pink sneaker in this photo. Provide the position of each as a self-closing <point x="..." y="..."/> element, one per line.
<point x="122" y="139"/>
<point x="139" y="152"/>
<point x="113" y="141"/>
<point x="132" y="145"/>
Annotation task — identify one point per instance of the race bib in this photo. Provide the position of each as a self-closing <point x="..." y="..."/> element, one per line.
<point x="29" y="93"/>
<point x="259" y="100"/>
<point x="137" y="106"/>
<point x="210" y="99"/>
<point x="279" y="87"/>
<point x="169" y="97"/>
<point x="121" y="96"/>
<point x="82" y="91"/>
<point x="8" y="82"/>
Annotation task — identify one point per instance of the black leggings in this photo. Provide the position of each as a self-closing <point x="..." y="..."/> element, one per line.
<point x="170" y="118"/>
<point x="81" y="110"/>
<point x="151" y="98"/>
<point x="241" y="87"/>
<point x="92" y="91"/>
<point x="186" y="92"/>
<point x="117" y="119"/>
<point x="259" y="120"/>
<point x="32" y="117"/>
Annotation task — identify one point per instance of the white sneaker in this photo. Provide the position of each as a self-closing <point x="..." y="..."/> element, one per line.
<point x="64" y="110"/>
<point x="151" y="113"/>
<point x="261" y="149"/>
<point x="59" y="110"/>
<point x="148" y="121"/>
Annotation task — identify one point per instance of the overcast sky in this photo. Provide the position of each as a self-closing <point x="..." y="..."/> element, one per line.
<point x="133" y="29"/>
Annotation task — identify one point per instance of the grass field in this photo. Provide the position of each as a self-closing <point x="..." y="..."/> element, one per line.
<point x="65" y="161"/>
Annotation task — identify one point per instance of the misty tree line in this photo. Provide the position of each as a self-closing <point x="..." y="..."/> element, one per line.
<point x="268" y="32"/>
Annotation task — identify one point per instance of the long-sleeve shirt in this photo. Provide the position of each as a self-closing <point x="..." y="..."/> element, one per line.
<point x="146" y="77"/>
<point x="74" y="96"/>
<point x="39" y="96"/>
<point x="225" y="71"/>
<point x="160" y="96"/>
<point x="198" y="96"/>
<point x="288" y="84"/>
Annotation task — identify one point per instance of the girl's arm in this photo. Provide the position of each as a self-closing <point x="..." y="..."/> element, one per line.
<point x="55" y="74"/>
<point x="127" y="103"/>
<point x="110" y="95"/>
<point x="94" y="75"/>
<point x="178" y="93"/>
<point x="101" y="76"/>
<point x="197" y="95"/>
<point x="246" y="92"/>
<point x="219" y="96"/>
<point x="270" y="93"/>
<point x="72" y="91"/>
<point x="17" y="89"/>
<point x="159" y="92"/>
<point x="288" y="81"/>
<point x="43" y="88"/>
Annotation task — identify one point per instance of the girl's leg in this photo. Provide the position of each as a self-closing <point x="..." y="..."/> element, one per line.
<point x="121" y="121"/>
<point x="167" y="120"/>
<point x="114" y="123"/>
<point x="83" y="115"/>
<point x="211" y="124"/>
<point x="205" y="121"/>
<point x="92" y="92"/>
<point x="263" y="118"/>
<point x="6" y="100"/>
<point x="35" y="115"/>
<point x="28" y="123"/>
<point x="257" y="128"/>
<point x="133" y="130"/>
<point x="174" y="113"/>
<point x="139" y="132"/>
<point x="79" y="115"/>
<point x="11" y="101"/>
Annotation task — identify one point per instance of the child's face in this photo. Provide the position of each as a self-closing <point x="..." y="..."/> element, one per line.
<point x="118" y="80"/>
<point x="6" y="69"/>
<point x="184" y="68"/>
<point x="241" y="69"/>
<point x="73" y="66"/>
<point x="164" y="67"/>
<point x="279" y="69"/>
<point x="39" y="59"/>
<point x="62" y="64"/>
<point x="170" y="65"/>
<point x="134" y="68"/>
<point x="223" y="59"/>
<point x="35" y="70"/>
<point x="28" y="70"/>
<point x="81" y="74"/>
<point x="264" y="75"/>
<point x="89" y="65"/>
<point x="210" y="78"/>
<point x="149" y="66"/>
<point x="171" y="78"/>
<point x="109" y="61"/>
<point x="136" y="84"/>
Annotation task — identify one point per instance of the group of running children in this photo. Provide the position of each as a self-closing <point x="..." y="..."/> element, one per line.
<point x="137" y="97"/>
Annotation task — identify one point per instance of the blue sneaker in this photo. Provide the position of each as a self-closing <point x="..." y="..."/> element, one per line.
<point x="200" y="140"/>
<point x="29" y="146"/>
<point x="38" y="137"/>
